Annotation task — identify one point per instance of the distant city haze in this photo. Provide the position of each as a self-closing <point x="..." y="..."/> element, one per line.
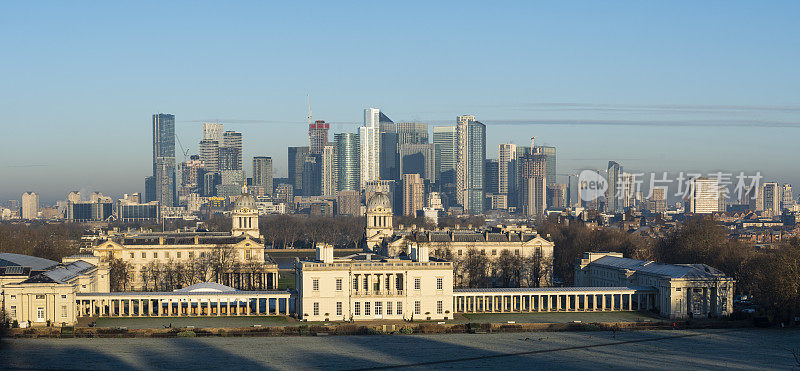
<point x="678" y="86"/>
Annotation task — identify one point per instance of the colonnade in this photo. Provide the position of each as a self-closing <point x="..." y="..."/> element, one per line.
<point x="211" y="304"/>
<point x="535" y="300"/>
<point x="387" y="284"/>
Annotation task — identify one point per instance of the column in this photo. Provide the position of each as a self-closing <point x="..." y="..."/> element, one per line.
<point x="558" y="302"/>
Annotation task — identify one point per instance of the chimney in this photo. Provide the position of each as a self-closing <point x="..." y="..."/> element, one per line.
<point x="325" y="253"/>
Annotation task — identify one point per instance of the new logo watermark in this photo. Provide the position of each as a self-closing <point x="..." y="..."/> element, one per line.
<point x="591" y="185"/>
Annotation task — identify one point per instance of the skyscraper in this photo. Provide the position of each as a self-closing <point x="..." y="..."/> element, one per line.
<point x="506" y="170"/>
<point x="533" y="183"/>
<point x="550" y="152"/>
<point x="233" y="140"/>
<point x="317" y="136"/>
<point x="412" y="133"/>
<point x="413" y="194"/>
<point x="212" y="131"/>
<point x="614" y="193"/>
<point x="418" y="159"/>
<point x="704" y="195"/>
<point x="769" y="198"/>
<point x="471" y="150"/>
<point x="347" y="161"/>
<point x="329" y="170"/>
<point x="30" y="206"/>
<point x="164" y="158"/>
<point x="262" y="173"/>
<point x="446" y="154"/>
<point x="491" y="176"/>
<point x="369" y="139"/>
<point x="209" y="154"/>
<point x="312" y="175"/>
<point x="296" y="162"/>
<point x="787" y="201"/>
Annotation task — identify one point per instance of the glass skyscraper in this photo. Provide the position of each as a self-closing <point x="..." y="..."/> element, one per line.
<point x="164" y="158"/>
<point x="348" y="161"/>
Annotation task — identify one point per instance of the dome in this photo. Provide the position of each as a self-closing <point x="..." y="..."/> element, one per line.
<point x="379" y="200"/>
<point x="247" y="201"/>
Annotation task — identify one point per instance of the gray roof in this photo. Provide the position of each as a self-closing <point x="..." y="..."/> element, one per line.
<point x="38" y="264"/>
<point x="206" y="287"/>
<point x="62" y="273"/>
<point x="542" y="290"/>
<point x="688" y="271"/>
<point x="145" y="294"/>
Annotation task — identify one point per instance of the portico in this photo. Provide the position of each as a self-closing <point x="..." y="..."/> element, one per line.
<point x="554" y="299"/>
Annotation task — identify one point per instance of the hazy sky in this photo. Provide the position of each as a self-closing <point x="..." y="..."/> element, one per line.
<point x="664" y="86"/>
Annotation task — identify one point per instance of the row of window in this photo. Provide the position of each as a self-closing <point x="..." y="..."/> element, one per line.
<point x="398" y="286"/>
<point x="39" y="312"/>
<point x="483" y="252"/>
<point x="378" y="308"/>
<point x="248" y="254"/>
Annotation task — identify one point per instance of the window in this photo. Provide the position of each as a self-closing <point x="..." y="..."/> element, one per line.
<point x="39" y="296"/>
<point x="13" y="312"/>
<point x="40" y="314"/>
<point x="316" y="309"/>
<point x="144" y="255"/>
<point x="417" y="283"/>
<point x="338" y="308"/>
<point x="338" y="284"/>
<point x="355" y="284"/>
<point x="459" y="252"/>
<point x="494" y="252"/>
<point x="191" y="254"/>
<point x="439" y="306"/>
<point x="357" y="309"/>
<point x="366" y="283"/>
<point x="131" y="255"/>
<point x="63" y="311"/>
<point x="516" y="252"/>
<point x="166" y="255"/>
<point x="399" y="308"/>
<point x="63" y="296"/>
<point x="155" y="255"/>
<point x="439" y="283"/>
<point x="13" y="297"/>
<point x="417" y="307"/>
<point x="483" y="252"/>
<point x="388" y="308"/>
<point x="178" y="254"/>
<point x="678" y="289"/>
<point x="248" y="254"/>
<point x="366" y="308"/>
<point x="378" y="308"/>
<point x="315" y="284"/>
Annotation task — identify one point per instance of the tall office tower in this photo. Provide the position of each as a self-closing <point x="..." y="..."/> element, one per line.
<point x="262" y="173"/>
<point x="506" y="171"/>
<point x="30" y="205"/>
<point x="787" y="199"/>
<point x="629" y="193"/>
<point x="149" y="189"/>
<point x="471" y="151"/>
<point x="233" y="140"/>
<point x="209" y="154"/>
<point x="657" y="202"/>
<point x="297" y="159"/>
<point x="369" y="140"/>
<point x="317" y="136"/>
<point x="389" y="144"/>
<point x="614" y="193"/>
<point x="413" y="194"/>
<point x="312" y="180"/>
<point x="491" y="176"/>
<point x="550" y="152"/>
<point x="532" y="190"/>
<point x="412" y="133"/>
<point x="557" y="196"/>
<point x="164" y="158"/>
<point x="444" y="140"/>
<point x="703" y="195"/>
<point x="210" y="182"/>
<point x="191" y="172"/>
<point x="347" y="161"/>
<point x="418" y="159"/>
<point x="329" y="176"/>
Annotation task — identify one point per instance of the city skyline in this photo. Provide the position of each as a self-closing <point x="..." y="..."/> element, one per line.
<point x="678" y="87"/>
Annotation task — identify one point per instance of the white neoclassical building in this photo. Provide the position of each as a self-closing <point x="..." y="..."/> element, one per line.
<point x="369" y="286"/>
<point x="684" y="290"/>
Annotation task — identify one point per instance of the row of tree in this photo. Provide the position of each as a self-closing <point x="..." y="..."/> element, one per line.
<point x="49" y="241"/>
<point x="475" y="269"/>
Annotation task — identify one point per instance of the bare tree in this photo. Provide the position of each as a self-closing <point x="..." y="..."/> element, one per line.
<point x="509" y="267"/>
<point x="119" y="274"/>
<point x="475" y="267"/>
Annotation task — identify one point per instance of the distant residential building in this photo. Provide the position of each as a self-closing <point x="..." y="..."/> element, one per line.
<point x="369" y="139"/>
<point x="328" y="170"/>
<point x="657" y="202"/>
<point x="312" y="175"/>
<point x="704" y="195"/>
<point x="317" y="136"/>
<point x="557" y="196"/>
<point x="262" y="173"/>
<point x="550" y="171"/>
<point x="209" y="154"/>
<point x="164" y="158"/>
<point x="348" y="202"/>
<point x="128" y="211"/>
<point x="532" y="191"/>
<point x="97" y="210"/>
<point x="212" y="131"/>
<point x="471" y="141"/>
<point x="413" y="194"/>
<point x="284" y="193"/>
<point x="30" y="206"/>
<point x="491" y="176"/>
<point x="446" y="152"/>
<point x="614" y="193"/>
<point x="787" y="199"/>
<point x="348" y="162"/>
<point x="506" y="170"/>
<point x="389" y="144"/>
<point x="296" y="163"/>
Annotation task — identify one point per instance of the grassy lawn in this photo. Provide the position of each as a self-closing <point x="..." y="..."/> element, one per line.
<point x="586" y="317"/>
<point x="285" y="280"/>
<point x="198" y="322"/>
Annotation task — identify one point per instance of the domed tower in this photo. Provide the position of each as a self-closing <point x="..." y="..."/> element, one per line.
<point x="245" y="216"/>
<point x="379" y="219"/>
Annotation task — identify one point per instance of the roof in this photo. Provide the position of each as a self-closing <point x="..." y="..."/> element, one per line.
<point x="687" y="271"/>
<point x="379" y="200"/>
<point x="206" y="287"/>
<point x="32" y="262"/>
<point x="553" y="289"/>
<point x="62" y="273"/>
<point x="145" y="294"/>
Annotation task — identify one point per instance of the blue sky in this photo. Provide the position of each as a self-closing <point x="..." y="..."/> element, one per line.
<point x="657" y="86"/>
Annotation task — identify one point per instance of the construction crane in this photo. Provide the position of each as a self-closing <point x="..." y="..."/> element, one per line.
<point x="184" y="151"/>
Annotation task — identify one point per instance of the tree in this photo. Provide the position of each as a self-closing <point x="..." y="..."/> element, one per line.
<point x="119" y="274"/>
<point x="475" y="268"/>
<point x="537" y="269"/>
<point x="509" y="267"/>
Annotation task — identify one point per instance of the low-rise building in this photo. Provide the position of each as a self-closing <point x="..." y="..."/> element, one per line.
<point x="684" y="290"/>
